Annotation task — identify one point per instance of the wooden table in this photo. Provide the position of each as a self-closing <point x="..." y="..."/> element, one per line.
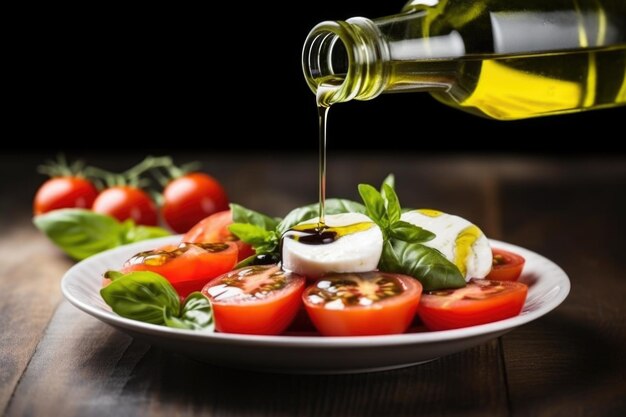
<point x="58" y="361"/>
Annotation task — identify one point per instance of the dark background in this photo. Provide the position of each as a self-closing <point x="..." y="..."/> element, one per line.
<point x="144" y="80"/>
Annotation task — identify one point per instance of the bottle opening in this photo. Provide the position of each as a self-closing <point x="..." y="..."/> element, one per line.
<point x="326" y="60"/>
<point x="339" y="61"/>
<point x="344" y="60"/>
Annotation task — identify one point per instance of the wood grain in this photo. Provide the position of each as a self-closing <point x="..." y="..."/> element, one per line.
<point x="572" y="362"/>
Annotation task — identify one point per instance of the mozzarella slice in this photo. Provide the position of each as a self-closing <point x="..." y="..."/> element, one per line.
<point x="354" y="252"/>
<point x="461" y="242"/>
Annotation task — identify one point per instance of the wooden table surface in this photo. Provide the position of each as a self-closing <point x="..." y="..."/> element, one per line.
<point x="58" y="361"/>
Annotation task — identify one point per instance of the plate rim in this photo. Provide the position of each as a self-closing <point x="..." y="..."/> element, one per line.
<point x="419" y="338"/>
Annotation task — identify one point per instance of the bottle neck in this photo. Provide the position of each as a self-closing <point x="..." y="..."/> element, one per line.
<point x="345" y="60"/>
<point x="360" y="58"/>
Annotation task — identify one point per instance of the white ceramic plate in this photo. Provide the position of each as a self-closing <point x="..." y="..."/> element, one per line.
<point x="548" y="287"/>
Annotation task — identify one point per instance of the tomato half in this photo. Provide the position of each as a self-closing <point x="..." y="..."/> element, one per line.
<point x="481" y="301"/>
<point x="191" y="198"/>
<point x="507" y="266"/>
<point x="359" y="304"/>
<point x="259" y="299"/>
<point x="188" y="266"/>
<point x="64" y="192"/>
<point x="215" y="229"/>
<point x="125" y="202"/>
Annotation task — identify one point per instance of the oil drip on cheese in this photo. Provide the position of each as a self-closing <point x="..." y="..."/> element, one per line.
<point x="313" y="234"/>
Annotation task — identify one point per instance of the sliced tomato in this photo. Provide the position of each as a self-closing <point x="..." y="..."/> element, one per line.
<point x="188" y="266"/>
<point x="507" y="266"/>
<point x="481" y="301"/>
<point x="259" y="299"/>
<point x="215" y="229"/>
<point x="359" y="304"/>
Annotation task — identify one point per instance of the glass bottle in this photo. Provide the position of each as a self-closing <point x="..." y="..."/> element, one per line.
<point x="502" y="59"/>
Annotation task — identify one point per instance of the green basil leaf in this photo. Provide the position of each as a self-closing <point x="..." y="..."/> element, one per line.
<point x="408" y="232"/>
<point x="389" y="262"/>
<point x="426" y="264"/>
<point x="302" y="214"/>
<point x="251" y="234"/>
<point x="139" y="233"/>
<point x="196" y="314"/>
<point x="392" y="202"/>
<point x="113" y="275"/>
<point x="341" y="205"/>
<point x="389" y="180"/>
<point x="375" y="205"/>
<point x="143" y="296"/>
<point x="246" y="262"/>
<point x="80" y="233"/>
<point x="244" y="215"/>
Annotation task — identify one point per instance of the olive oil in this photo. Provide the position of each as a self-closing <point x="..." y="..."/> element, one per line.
<point x="324" y="91"/>
<point x="322" y="113"/>
<point x="502" y="59"/>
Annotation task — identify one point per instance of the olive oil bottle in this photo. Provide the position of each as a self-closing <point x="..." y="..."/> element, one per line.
<point x="502" y="59"/>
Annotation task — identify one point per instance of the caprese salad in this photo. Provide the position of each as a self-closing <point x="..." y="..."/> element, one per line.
<point x="370" y="268"/>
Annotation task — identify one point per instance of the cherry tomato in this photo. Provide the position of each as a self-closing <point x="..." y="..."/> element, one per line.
<point x="188" y="266"/>
<point x="359" y="304"/>
<point x="259" y="299"/>
<point x="64" y="192"/>
<point x="481" y="301"/>
<point x="125" y="202"/>
<point x="191" y="198"/>
<point x="507" y="266"/>
<point x="215" y="229"/>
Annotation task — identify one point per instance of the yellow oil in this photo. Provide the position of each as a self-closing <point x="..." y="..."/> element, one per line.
<point x="546" y="56"/>
<point x="519" y="87"/>
<point x="463" y="246"/>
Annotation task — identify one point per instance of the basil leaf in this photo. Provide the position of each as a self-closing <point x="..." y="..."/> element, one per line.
<point x="113" y="275"/>
<point x="138" y="233"/>
<point x="408" y="232"/>
<point x="426" y="264"/>
<point x="340" y="205"/>
<point x="244" y="215"/>
<point x="196" y="314"/>
<point x="302" y="214"/>
<point x="388" y="259"/>
<point x="262" y="240"/>
<point x="392" y="202"/>
<point x="389" y="180"/>
<point x="80" y="233"/>
<point x="143" y="296"/>
<point x="375" y="205"/>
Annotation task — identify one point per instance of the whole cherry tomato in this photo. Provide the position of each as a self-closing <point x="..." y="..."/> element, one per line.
<point x="127" y="202"/>
<point x="64" y="192"/>
<point x="191" y="198"/>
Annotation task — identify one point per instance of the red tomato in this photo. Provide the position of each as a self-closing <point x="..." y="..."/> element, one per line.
<point x="125" y="202"/>
<point x="215" y="229"/>
<point x="64" y="192"/>
<point x="481" y="301"/>
<point x="189" y="266"/>
<point x="359" y="304"/>
<point x="259" y="299"/>
<point x="191" y="198"/>
<point x="507" y="266"/>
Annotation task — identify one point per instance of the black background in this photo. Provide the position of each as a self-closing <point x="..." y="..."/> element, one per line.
<point x="116" y="79"/>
